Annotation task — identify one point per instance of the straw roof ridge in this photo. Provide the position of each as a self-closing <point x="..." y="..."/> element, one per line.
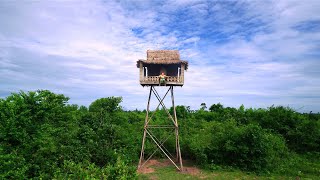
<point x="163" y="57"/>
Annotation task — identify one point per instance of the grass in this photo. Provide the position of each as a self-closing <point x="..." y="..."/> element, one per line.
<point x="304" y="166"/>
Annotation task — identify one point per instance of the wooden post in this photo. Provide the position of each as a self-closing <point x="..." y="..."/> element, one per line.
<point x="141" y="72"/>
<point x="178" y="152"/>
<point x="182" y="72"/>
<point x="145" y="130"/>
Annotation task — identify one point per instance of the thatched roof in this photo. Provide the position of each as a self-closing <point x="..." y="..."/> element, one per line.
<point x="163" y="57"/>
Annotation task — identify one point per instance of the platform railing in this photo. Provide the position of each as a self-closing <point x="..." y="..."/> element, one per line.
<point x="168" y="79"/>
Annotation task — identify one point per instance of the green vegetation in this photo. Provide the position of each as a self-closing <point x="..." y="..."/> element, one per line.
<point x="42" y="136"/>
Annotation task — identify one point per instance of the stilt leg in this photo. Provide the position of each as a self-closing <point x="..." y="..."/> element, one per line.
<point x="145" y="131"/>
<point x="178" y="152"/>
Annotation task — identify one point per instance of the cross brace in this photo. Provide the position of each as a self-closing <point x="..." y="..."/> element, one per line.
<point x="160" y="143"/>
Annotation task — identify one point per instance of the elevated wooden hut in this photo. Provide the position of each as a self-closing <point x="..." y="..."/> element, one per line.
<point x="162" y="61"/>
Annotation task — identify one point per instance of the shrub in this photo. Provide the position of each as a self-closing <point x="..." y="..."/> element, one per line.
<point x="12" y="166"/>
<point x="87" y="170"/>
<point x="247" y="147"/>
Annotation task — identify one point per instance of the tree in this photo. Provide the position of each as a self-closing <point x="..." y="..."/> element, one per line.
<point x="109" y="104"/>
<point x="216" y="107"/>
<point x="203" y="106"/>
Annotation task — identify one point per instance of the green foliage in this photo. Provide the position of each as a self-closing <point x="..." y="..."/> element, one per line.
<point x="301" y="133"/>
<point x="43" y="137"/>
<point x="103" y="105"/>
<point x="203" y="106"/>
<point x="12" y="166"/>
<point x="87" y="170"/>
<point x="216" y="107"/>
<point x="247" y="147"/>
<point x="120" y="170"/>
<point x="304" y="166"/>
<point x="40" y="134"/>
<point x="306" y="136"/>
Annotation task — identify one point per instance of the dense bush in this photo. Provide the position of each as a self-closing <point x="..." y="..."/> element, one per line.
<point x="248" y="147"/>
<point x="12" y="166"/>
<point x="87" y="170"/>
<point x="42" y="136"/>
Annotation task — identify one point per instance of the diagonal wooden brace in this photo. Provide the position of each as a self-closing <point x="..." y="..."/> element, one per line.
<point x="163" y="105"/>
<point x="163" y="150"/>
<point x="161" y="144"/>
<point x="160" y="102"/>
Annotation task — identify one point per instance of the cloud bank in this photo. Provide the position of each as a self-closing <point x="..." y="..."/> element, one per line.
<point x="255" y="53"/>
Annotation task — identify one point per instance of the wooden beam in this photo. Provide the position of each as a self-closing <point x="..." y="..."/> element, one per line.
<point x="154" y="152"/>
<point x="182" y="72"/>
<point x="157" y="106"/>
<point x="161" y="126"/>
<point x="141" y="72"/>
<point x="163" y="151"/>
<point x="163" y="105"/>
<point x="178" y="152"/>
<point x="144" y="131"/>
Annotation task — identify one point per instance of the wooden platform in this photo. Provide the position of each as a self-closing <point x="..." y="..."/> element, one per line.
<point x="154" y="81"/>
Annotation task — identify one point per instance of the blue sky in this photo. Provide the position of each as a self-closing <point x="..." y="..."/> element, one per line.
<point x="256" y="53"/>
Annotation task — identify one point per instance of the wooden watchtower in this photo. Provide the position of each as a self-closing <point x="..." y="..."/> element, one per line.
<point x="167" y="63"/>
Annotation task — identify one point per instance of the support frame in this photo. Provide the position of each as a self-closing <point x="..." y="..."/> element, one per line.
<point x="177" y="161"/>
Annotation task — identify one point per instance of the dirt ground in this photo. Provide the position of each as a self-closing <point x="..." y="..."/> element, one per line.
<point x="152" y="163"/>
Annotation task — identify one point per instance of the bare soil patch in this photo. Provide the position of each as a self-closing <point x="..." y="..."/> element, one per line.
<point x="145" y="170"/>
<point x="149" y="167"/>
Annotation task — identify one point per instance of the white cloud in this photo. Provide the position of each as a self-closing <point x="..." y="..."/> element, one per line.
<point x="244" y="52"/>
